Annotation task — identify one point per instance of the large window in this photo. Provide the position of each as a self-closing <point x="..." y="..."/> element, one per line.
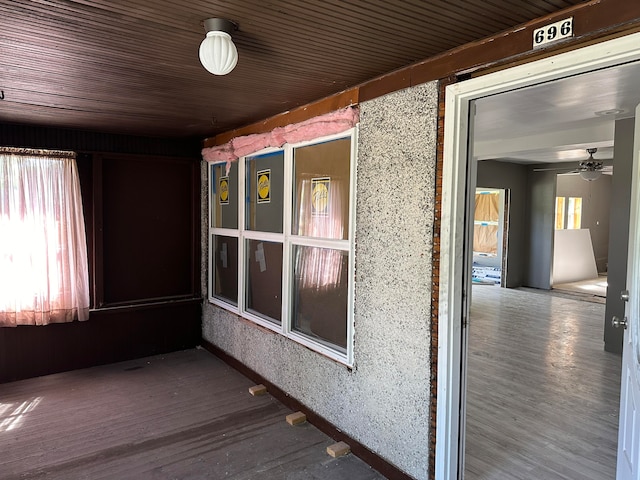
<point x="43" y="253"/>
<point x="281" y="249"/>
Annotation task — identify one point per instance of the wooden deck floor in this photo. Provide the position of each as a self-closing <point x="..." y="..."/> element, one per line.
<point x="543" y="395"/>
<point x="185" y="415"/>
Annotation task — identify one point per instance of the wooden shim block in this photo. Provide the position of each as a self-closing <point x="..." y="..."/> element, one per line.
<point x="338" y="449"/>
<point x="258" y="390"/>
<point x="296" y="418"/>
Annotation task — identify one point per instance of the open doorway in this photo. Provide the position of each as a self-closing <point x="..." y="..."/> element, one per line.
<point x="536" y="364"/>
<point x="537" y="372"/>
<point x="490" y="234"/>
<point x="537" y="268"/>
<point x="581" y="237"/>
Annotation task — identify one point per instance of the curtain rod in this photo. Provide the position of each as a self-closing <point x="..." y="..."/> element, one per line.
<point x="37" y="152"/>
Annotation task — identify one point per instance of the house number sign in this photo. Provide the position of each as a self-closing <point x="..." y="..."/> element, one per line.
<point x="553" y="32"/>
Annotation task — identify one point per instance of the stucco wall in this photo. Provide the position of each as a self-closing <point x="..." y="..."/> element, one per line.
<point x="384" y="401"/>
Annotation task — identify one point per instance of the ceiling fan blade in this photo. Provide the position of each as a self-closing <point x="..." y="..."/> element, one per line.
<point x="557" y="169"/>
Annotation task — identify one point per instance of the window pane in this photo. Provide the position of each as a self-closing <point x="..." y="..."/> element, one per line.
<point x="224" y="196"/>
<point x="559" y="213"/>
<point x="320" y="294"/>
<point x="264" y="279"/>
<point x="226" y="268"/>
<point x="264" y="192"/>
<point x="574" y="215"/>
<point x="321" y="190"/>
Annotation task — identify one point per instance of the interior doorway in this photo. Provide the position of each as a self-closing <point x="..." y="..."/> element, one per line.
<point x="581" y="237"/>
<point x="490" y="234"/>
<point x="460" y="175"/>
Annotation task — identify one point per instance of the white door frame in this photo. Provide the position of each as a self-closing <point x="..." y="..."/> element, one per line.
<point x="451" y="372"/>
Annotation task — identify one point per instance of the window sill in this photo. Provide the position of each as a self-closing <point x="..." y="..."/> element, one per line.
<point x="145" y="304"/>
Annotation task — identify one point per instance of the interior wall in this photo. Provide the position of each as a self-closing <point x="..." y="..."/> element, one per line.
<point x="384" y="401"/>
<point x="541" y="190"/>
<point x="512" y="176"/>
<point x="619" y="230"/>
<point x="141" y="214"/>
<point x="596" y="204"/>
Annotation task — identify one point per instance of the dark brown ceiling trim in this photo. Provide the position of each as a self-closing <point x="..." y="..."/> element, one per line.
<point x="593" y="20"/>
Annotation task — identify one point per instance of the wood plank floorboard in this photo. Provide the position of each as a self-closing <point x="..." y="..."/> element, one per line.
<point x="542" y="395"/>
<point x="184" y="415"/>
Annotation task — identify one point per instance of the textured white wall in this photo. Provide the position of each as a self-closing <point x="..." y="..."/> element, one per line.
<point x="384" y="401"/>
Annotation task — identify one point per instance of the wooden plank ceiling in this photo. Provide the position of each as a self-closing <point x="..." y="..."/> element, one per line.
<point x="131" y="66"/>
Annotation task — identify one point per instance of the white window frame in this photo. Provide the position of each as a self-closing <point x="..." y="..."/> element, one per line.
<point x="289" y="242"/>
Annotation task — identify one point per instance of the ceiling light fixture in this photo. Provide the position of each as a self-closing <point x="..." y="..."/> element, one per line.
<point x="609" y="113"/>
<point x="590" y="169"/>
<point x="218" y="54"/>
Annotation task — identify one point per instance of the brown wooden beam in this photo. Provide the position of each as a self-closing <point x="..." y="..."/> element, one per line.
<point x="300" y="114"/>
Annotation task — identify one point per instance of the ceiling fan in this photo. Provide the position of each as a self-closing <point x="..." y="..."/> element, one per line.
<point x="589" y="169"/>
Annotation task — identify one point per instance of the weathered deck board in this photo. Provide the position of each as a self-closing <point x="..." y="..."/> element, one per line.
<point x="184" y="415"/>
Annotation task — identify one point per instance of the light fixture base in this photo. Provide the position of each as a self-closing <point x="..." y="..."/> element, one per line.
<point x="220" y="25"/>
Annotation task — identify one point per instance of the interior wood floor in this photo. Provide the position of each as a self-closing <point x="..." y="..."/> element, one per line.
<point x="543" y="395"/>
<point x="185" y="415"/>
<point x="594" y="289"/>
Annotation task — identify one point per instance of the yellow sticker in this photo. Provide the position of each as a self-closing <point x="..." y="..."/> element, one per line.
<point x="264" y="186"/>
<point x="224" y="190"/>
<point x="320" y="196"/>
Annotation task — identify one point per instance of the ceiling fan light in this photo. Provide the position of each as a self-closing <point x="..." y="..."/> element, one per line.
<point x="590" y="175"/>
<point x="218" y="54"/>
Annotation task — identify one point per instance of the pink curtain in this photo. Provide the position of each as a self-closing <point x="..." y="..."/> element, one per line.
<point x="43" y="254"/>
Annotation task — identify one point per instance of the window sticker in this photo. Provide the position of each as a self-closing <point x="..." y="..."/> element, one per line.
<point x="320" y="196"/>
<point x="224" y="190"/>
<point x="260" y="258"/>
<point x="223" y="255"/>
<point x="264" y="186"/>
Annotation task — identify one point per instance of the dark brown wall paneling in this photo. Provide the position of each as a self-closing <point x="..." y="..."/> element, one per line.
<point x="108" y="336"/>
<point x="64" y="139"/>
<point x="147" y="224"/>
<point x="142" y="215"/>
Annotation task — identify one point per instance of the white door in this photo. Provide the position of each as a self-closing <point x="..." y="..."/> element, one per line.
<point x="629" y="432"/>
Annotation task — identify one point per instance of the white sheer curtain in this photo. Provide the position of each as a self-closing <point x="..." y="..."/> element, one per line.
<point x="43" y="253"/>
<point x="320" y="267"/>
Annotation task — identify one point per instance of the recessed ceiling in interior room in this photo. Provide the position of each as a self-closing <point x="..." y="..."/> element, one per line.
<point x="131" y="66"/>
<point x="557" y="121"/>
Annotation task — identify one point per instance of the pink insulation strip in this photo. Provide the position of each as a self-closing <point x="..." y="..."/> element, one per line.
<point x="328" y="124"/>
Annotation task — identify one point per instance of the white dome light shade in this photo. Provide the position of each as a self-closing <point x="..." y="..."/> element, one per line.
<point x="590" y="175"/>
<point x="218" y="54"/>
